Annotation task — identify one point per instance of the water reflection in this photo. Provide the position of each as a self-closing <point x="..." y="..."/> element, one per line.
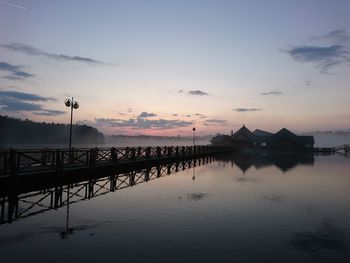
<point x="284" y="161"/>
<point x="23" y="236"/>
<point x="273" y="198"/>
<point x="265" y="215"/>
<point x="15" y="204"/>
<point x="196" y="196"/>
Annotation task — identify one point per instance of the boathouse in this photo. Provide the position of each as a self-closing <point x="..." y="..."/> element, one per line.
<point x="259" y="139"/>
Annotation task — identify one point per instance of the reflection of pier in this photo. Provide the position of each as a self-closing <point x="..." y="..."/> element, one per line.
<point x="18" y="201"/>
<point x="14" y="163"/>
<point x="283" y="160"/>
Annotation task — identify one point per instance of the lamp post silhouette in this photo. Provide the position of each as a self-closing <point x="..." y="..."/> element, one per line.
<point x="194" y="137"/>
<point x="73" y="105"/>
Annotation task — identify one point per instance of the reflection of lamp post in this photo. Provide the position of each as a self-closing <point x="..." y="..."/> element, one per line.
<point x="194" y="137"/>
<point x="73" y="105"/>
<point x="68" y="231"/>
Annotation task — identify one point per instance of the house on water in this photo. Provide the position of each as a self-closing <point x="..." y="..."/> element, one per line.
<point x="259" y="139"/>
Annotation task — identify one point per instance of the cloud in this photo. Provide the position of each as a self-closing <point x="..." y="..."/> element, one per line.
<point x="49" y="112"/>
<point x="202" y="116"/>
<point x="180" y="91"/>
<point x="25" y="96"/>
<point x="197" y="92"/>
<point x="32" y="51"/>
<point x="324" y="57"/>
<point x="12" y="104"/>
<point x="13" y="5"/>
<point x="14" y="101"/>
<point x="15" y="71"/>
<point x="146" y="114"/>
<point x="175" y="114"/>
<point x="338" y="36"/>
<point x="246" y="109"/>
<point x="140" y="123"/>
<point x="214" y="121"/>
<point x="273" y="92"/>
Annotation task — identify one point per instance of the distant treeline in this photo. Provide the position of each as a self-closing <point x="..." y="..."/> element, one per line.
<point x="15" y="132"/>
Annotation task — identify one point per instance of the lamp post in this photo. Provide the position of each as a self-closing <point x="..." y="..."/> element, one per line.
<point x="73" y="105"/>
<point x="194" y="137"/>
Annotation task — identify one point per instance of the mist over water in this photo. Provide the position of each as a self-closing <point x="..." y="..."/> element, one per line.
<point x="331" y="140"/>
<point x="321" y="140"/>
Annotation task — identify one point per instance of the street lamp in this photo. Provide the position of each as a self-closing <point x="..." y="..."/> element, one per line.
<point x="194" y="137"/>
<point x="73" y="105"/>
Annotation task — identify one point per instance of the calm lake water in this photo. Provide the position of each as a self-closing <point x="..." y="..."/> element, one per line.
<point x="235" y="209"/>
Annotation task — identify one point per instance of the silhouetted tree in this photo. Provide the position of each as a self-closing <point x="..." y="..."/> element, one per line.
<point x="16" y="131"/>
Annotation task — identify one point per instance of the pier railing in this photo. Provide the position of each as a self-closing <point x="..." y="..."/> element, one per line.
<point x="14" y="162"/>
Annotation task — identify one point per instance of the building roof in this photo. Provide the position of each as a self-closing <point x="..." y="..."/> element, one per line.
<point x="285" y="133"/>
<point x="260" y="133"/>
<point x="243" y="134"/>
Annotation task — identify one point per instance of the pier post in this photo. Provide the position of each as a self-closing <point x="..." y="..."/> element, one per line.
<point x="133" y="154"/>
<point x="12" y="209"/>
<point x="132" y="178"/>
<point x="58" y="161"/>
<point x="44" y="157"/>
<point x="147" y="174"/>
<point x="148" y="152"/>
<point x="168" y="169"/>
<point x="13" y="163"/>
<point x="114" y="159"/>
<point x="139" y="151"/>
<point x="112" y="183"/>
<point x="158" y="171"/>
<point x="92" y="162"/>
<point x="114" y="156"/>
<point x="159" y="152"/>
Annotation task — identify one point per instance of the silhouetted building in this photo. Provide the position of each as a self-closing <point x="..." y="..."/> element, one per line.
<point x="259" y="139"/>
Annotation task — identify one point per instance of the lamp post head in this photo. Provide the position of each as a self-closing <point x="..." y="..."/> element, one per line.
<point x="71" y="103"/>
<point x="194" y="129"/>
<point x="75" y="105"/>
<point x="68" y="103"/>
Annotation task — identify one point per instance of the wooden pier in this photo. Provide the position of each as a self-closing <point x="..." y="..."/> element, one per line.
<point x="19" y="201"/>
<point x="15" y="163"/>
<point x="345" y="149"/>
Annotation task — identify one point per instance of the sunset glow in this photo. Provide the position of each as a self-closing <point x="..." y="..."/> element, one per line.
<point x="161" y="68"/>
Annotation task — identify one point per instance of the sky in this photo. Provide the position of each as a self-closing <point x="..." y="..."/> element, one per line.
<point x="164" y="67"/>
